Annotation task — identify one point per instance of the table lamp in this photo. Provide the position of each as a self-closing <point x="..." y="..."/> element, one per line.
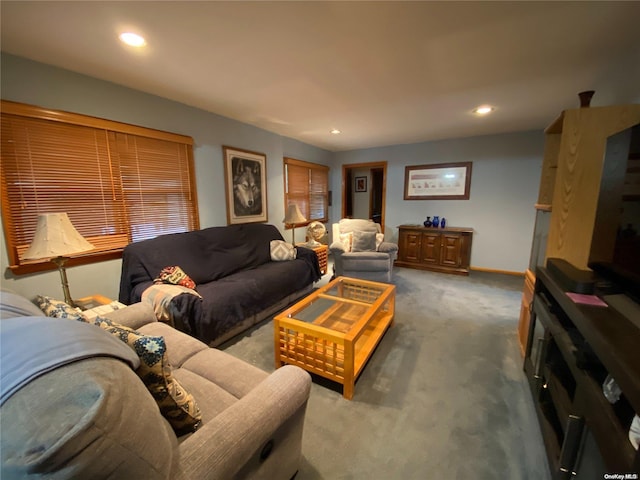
<point x="293" y="217"/>
<point x="56" y="238"/>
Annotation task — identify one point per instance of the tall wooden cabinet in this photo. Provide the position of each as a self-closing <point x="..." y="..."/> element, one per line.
<point x="440" y="249"/>
<point x="572" y="173"/>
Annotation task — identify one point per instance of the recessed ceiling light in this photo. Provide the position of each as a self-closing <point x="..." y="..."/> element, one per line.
<point x="132" y="39"/>
<point x="483" y="110"/>
<point x="335" y="131"/>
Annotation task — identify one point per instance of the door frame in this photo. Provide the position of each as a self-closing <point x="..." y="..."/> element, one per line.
<point x="370" y="165"/>
<point x="372" y="190"/>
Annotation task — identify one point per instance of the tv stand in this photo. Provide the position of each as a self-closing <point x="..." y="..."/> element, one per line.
<point x="571" y="348"/>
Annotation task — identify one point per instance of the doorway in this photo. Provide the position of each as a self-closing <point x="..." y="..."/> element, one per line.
<point x="374" y="197"/>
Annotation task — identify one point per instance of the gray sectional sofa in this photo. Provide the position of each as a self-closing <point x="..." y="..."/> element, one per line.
<point x="86" y="414"/>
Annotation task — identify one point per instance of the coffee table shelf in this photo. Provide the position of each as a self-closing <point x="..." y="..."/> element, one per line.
<point x="334" y="331"/>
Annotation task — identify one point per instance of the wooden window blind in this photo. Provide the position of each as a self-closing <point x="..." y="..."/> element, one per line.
<point x="307" y="185"/>
<point x="118" y="183"/>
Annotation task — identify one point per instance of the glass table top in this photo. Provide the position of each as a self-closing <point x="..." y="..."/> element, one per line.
<point x="341" y="304"/>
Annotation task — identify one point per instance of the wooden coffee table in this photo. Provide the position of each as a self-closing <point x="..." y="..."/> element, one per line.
<point x="334" y="331"/>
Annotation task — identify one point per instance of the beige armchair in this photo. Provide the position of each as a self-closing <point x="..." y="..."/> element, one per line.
<point x="359" y="251"/>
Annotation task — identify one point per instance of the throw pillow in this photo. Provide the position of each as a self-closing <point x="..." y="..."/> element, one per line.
<point x="364" y="242"/>
<point x="160" y="296"/>
<point x="57" y="308"/>
<point x="379" y="240"/>
<point x="347" y="240"/>
<point x="281" y="251"/>
<point x="176" y="404"/>
<point x="176" y="276"/>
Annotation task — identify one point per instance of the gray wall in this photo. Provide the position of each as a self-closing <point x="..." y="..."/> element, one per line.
<point x="504" y="188"/>
<point x="38" y="84"/>
<point x="504" y="184"/>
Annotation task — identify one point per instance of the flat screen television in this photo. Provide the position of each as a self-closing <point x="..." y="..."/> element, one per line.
<point x="622" y="268"/>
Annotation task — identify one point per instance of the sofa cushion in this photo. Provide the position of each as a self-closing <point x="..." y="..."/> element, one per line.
<point x="176" y="404"/>
<point x="212" y="398"/>
<point x="232" y="374"/>
<point x="364" y="241"/>
<point x="53" y="432"/>
<point x="14" y="305"/>
<point x="282" y="251"/>
<point x="366" y="262"/>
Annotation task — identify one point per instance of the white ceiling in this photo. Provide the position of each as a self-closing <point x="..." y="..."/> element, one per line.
<point x="382" y="72"/>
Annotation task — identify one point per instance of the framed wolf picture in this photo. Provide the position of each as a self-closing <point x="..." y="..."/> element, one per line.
<point x="245" y="182"/>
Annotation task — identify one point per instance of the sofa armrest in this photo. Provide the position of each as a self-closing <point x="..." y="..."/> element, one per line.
<point x="388" y="247"/>
<point x="337" y="247"/>
<point x="224" y="444"/>
<point x="134" y="316"/>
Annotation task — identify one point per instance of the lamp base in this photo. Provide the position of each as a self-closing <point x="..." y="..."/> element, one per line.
<point x="60" y="261"/>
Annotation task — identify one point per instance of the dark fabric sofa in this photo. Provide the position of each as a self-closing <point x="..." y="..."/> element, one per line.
<point x="232" y="268"/>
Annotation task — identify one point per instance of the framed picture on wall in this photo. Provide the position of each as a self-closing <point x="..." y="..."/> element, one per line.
<point x="361" y="184"/>
<point x="439" y="181"/>
<point x="245" y="182"/>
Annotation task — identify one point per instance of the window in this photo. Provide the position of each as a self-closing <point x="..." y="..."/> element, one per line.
<point x="118" y="183"/>
<point x="307" y="185"/>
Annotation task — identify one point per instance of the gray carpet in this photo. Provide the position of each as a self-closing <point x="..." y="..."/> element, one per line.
<point x="443" y="396"/>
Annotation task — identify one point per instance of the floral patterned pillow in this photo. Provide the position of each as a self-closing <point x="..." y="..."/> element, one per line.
<point x="57" y="308"/>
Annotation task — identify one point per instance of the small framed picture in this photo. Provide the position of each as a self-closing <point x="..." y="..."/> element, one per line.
<point x="246" y="185"/>
<point x="361" y="184"/>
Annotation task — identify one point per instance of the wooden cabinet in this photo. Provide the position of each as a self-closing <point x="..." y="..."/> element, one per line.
<point x="440" y="249"/>
<point x="570" y="182"/>
<point x="572" y="349"/>
<point x="537" y="259"/>
<point x="583" y="162"/>
<point x="526" y="306"/>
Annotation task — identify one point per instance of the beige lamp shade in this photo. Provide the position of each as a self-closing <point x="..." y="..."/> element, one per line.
<point x="55" y="237"/>
<point x="294" y="215"/>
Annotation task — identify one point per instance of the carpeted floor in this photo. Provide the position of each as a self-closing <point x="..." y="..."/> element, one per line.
<point x="443" y="396"/>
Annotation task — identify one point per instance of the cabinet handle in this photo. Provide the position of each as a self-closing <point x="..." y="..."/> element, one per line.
<point x="538" y="359"/>
<point x="570" y="446"/>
